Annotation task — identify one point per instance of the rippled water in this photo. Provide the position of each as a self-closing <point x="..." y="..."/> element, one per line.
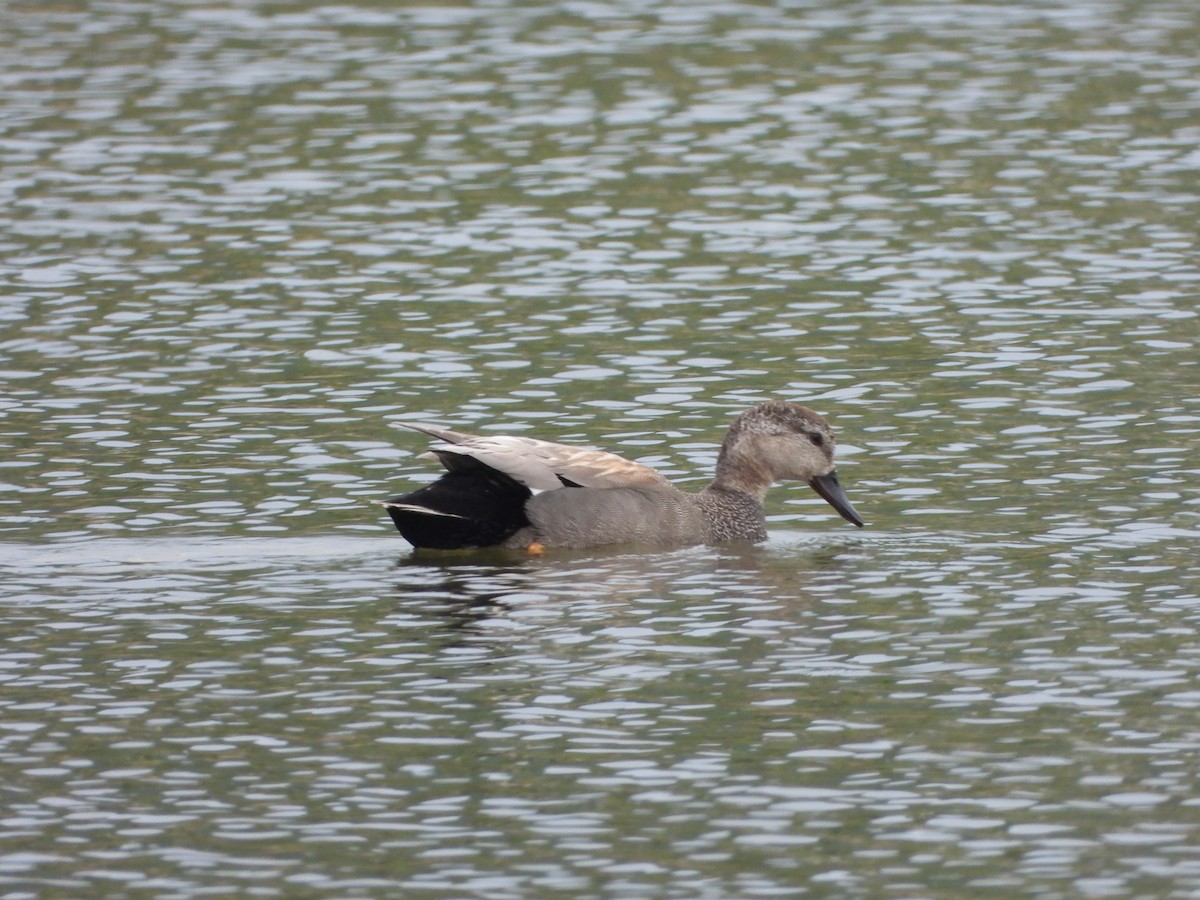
<point x="237" y="242"/>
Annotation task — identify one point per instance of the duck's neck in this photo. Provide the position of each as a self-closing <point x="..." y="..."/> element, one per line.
<point x="747" y="476"/>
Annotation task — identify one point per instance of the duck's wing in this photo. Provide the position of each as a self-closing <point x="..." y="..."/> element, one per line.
<point x="541" y="465"/>
<point x="581" y="467"/>
<point x="442" y="434"/>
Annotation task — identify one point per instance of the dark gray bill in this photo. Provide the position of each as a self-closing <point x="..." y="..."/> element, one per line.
<point x="827" y="486"/>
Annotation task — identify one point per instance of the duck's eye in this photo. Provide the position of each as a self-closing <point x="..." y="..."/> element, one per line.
<point x="817" y="438"/>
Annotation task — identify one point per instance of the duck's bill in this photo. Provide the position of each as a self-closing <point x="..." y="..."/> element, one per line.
<point x="827" y="486"/>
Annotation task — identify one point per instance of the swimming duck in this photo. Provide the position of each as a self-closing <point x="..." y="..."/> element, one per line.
<point x="527" y="493"/>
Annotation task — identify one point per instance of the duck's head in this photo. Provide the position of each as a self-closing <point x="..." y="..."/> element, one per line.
<point x="783" y="441"/>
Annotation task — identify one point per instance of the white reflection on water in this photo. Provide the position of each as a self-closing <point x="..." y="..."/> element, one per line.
<point x="238" y="242"/>
<point x="318" y="692"/>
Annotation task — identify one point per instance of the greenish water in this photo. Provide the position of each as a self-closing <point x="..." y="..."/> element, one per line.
<point x="237" y="242"/>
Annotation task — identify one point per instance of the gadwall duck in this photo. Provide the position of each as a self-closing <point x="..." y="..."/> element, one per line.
<point x="523" y="492"/>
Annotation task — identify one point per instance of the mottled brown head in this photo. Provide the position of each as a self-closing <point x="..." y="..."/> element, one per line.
<point x="782" y="441"/>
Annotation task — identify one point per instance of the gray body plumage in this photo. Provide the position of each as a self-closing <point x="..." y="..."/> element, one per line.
<point x="584" y="517"/>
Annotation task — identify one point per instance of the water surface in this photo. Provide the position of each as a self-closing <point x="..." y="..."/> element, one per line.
<point x="240" y="242"/>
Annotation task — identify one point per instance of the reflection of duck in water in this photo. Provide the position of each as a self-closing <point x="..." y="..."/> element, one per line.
<point x="523" y="492"/>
